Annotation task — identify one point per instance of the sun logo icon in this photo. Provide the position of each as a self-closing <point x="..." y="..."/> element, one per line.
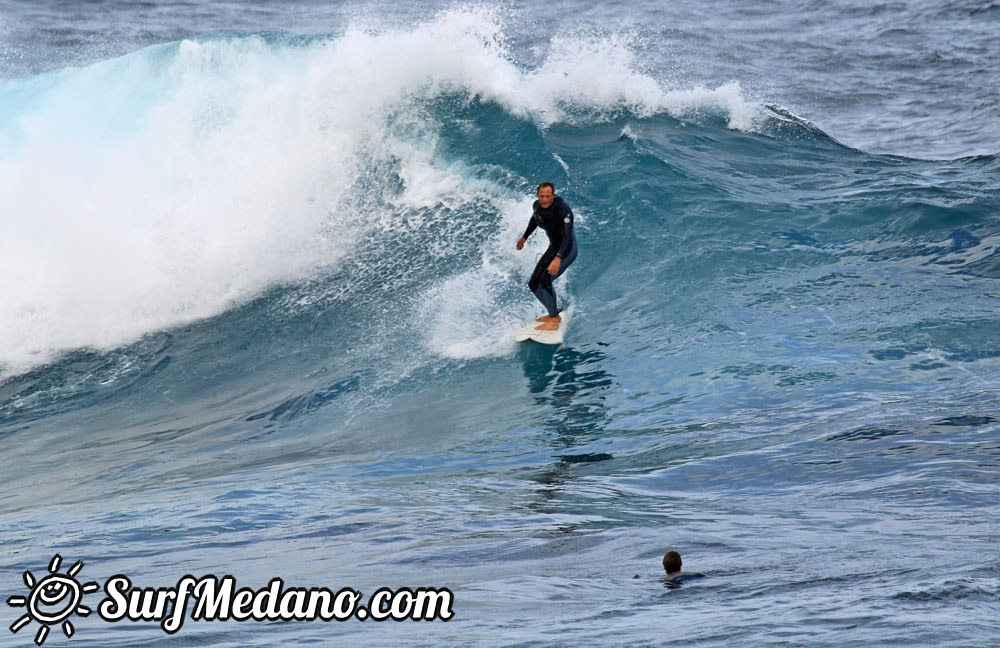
<point x="52" y="600"/>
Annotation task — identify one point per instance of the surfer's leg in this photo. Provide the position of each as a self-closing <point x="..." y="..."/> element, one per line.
<point x="547" y="296"/>
<point x="541" y="285"/>
<point x="567" y="262"/>
<point x="545" y="292"/>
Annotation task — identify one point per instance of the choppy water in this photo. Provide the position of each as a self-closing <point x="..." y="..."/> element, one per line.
<point x="259" y="289"/>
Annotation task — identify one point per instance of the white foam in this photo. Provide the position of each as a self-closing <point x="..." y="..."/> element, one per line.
<point x="173" y="212"/>
<point x="169" y="185"/>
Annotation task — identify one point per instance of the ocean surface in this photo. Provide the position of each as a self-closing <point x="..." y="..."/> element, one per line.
<point x="258" y="290"/>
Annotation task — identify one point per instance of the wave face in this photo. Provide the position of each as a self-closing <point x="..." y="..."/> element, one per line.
<point x="166" y="186"/>
<point x="269" y="282"/>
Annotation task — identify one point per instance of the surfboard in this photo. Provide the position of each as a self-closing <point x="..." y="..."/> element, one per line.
<point x="555" y="336"/>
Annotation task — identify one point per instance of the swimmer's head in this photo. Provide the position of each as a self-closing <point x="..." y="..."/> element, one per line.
<point x="672" y="562"/>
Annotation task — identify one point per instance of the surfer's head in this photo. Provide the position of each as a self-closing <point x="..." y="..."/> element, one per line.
<point x="546" y="194"/>
<point x="672" y="562"/>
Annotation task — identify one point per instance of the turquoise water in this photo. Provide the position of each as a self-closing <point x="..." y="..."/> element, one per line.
<point x="260" y="291"/>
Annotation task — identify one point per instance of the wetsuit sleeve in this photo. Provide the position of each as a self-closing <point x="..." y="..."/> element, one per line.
<point x="567" y="238"/>
<point x="532" y="224"/>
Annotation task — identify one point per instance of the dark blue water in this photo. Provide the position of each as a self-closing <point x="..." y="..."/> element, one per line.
<point x="259" y="292"/>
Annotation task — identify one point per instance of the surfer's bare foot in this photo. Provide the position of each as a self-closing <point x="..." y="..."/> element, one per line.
<point x="550" y="325"/>
<point x="544" y="318"/>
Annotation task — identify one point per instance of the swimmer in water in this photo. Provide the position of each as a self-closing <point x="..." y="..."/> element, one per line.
<point x="672" y="565"/>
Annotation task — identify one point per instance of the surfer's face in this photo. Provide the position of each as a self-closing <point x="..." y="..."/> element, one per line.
<point x="546" y="196"/>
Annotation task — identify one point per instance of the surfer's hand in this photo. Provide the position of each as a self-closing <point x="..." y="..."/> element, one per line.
<point x="520" y="242"/>
<point x="554" y="266"/>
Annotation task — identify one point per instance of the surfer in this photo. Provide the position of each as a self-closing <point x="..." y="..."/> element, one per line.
<point x="672" y="565"/>
<point x="552" y="214"/>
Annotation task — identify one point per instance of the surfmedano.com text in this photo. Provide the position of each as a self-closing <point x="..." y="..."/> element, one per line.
<point x="218" y="599"/>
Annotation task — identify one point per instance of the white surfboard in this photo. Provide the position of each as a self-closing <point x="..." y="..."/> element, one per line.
<point x="555" y="336"/>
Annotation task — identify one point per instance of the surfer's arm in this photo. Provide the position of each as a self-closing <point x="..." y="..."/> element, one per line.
<point x="532" y="224"/>
<point x="567" y="238"/>
<point x="531" y="228"/>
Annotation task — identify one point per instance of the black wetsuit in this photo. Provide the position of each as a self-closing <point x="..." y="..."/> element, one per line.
<point x="557" y="221"/>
